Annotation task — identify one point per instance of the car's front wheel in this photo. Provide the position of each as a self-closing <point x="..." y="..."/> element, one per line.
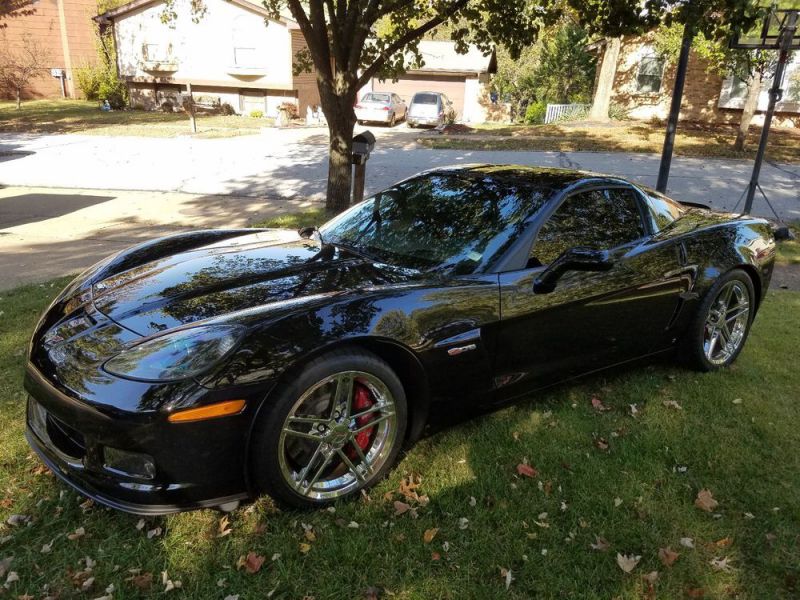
<point x="331" y="431"/>
<point x="720" y="327"/>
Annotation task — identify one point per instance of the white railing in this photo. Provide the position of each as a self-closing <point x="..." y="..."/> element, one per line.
<point x="561" y="112"/>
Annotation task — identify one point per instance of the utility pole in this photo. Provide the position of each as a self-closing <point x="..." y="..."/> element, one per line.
<point x="675" y="106"/>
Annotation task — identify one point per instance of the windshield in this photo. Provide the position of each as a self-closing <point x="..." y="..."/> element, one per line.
<point x="425" y="99"/>
<point x="372" y="97"/>
<point x="459" y="222"/>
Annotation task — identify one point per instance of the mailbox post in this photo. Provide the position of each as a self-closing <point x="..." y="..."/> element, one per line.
<point x="363" y="144"/>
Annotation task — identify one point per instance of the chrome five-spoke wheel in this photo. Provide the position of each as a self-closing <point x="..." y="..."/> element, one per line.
<point x="337" y="435"/>
<point x="726" y="323"/>
<point x="332" y="428"/>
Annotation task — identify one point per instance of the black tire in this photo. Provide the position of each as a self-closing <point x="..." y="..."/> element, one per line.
<point x="266" y="447"/>
<point x="392" y="121"/>
<point x="409" y="125"/>
<point x="693" y="348"/>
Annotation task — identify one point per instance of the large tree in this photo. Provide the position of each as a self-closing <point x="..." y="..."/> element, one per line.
<point x="352" y="41"/>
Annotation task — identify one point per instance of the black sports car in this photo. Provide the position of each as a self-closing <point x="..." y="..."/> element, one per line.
<point x="207" y="367"/>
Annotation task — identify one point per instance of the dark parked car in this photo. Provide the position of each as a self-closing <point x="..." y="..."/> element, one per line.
<point x="207" y="367"/>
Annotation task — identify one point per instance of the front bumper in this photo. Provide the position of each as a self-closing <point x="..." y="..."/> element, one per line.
<point x="197" y="464"/>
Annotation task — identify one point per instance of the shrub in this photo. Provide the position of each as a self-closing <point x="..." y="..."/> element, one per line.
<point x="100" y="82"/>
<point x="257" y="114"/>
<point x="535" y="113"/>
<point x="167" y="106"/>
<point x="226" y="109"/>
<point x="617" y="112"/>
<point x="290" y="108"/>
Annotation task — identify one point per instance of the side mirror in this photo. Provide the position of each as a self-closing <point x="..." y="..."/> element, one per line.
<point x="306" y="232"/>
<point x="574" y="259"/>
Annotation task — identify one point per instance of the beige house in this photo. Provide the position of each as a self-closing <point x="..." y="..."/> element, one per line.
<point x="644" y="80"/>
<point x="232" y="54"/>
<point x="464" y="78"/>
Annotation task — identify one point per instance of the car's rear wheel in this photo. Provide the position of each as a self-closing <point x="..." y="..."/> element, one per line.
<point x="720" y="327"/>
<point x="392" y="120"/>
<point x="333" y="430"/>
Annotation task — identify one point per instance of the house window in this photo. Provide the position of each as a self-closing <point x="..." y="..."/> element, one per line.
<point x="651" y="71"/>
<point x="248" y="32"/>
<point x="738" y="89"/>
<point x="157" y="52"/>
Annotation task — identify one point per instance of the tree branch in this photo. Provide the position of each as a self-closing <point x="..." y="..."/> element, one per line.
<point x="405" y="39"/>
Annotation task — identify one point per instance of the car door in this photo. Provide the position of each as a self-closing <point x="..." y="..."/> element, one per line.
<point x="590" y="320"/>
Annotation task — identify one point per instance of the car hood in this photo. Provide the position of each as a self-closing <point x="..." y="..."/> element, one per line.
<point x="215" y="280"/>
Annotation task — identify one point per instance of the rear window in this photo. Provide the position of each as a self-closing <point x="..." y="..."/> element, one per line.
<point x="373" y="97"/>
<point x="663" y="211"/>
<point x="425" y="99"/>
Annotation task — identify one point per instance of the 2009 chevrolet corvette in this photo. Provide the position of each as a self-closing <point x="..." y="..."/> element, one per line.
<point x="207" y="367"/>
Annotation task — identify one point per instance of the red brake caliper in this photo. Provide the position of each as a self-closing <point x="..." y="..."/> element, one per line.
<point x="362" y="400"/>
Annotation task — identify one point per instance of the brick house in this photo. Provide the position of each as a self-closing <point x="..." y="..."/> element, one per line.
<point x="64" y="29"/>
<point x="644" y="80"/>
<point x="233" y="54"/>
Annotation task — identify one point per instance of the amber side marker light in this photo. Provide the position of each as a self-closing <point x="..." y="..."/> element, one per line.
<point x="212" y="411"/>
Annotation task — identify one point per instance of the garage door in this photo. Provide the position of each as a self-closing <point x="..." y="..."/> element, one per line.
<point x="408" y="85"/>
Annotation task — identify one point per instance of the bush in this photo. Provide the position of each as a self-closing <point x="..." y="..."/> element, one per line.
<point x="257" y="114"/>
<point x="617" y="112"/>
<point x="290" y="108"/>
<point x="226" y="109"/>
<point x="100" y="82"/>
<point x="535" y="113"/>
<point x="167" y="106"/>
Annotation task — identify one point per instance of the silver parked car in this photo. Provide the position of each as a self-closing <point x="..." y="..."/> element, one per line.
<point x="430" y="108"/>
<point x="381" y="107"/>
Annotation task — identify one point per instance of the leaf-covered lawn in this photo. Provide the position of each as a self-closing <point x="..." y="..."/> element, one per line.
<point x="653" y="482"/>
<point x="82" y="116"/>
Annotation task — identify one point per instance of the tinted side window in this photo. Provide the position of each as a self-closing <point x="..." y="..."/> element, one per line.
<point x="599" y="219"/>
<point x="663" y="211"/>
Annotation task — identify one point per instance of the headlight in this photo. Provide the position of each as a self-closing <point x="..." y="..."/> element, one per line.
<point x="176" y="356"/>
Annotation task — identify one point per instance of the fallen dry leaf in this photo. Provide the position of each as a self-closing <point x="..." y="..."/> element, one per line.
<point x="695" y="592"/>
<point x="304" y="548"/>
<point x="78" y="533"/>
<point x="687" y="542"/>
<point x="435" y="556"/>
<point x="724" y="542"/>
<point x="667" y="556"/>
<point x="721" y="564"/>
<point x="651" y="577"/>
<point x="253" y="562"/>
<point x="601" y="443"/>
<point x="141" y="581"/>
<point x="526" y="470"/>
<point x="705" y="501"/>
<point x="463" y="523"/>
<point x="507" y="576"/>
<point x="598" y="405"/>
<point x="627" y="563"/>
<point x="672" y="404"/>
<point x="601" y="544"/>
<point x="429" y="534"/>
<point x="400" y="508"/>
<point x="15" y="520"/>
<point x="224" y="528"/>
<point x="155" y="532"/>
<point x="371" y="593"/>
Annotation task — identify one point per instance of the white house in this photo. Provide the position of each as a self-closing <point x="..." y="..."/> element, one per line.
<point x="232" y="54"/>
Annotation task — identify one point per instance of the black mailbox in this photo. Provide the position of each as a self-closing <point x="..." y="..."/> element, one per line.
<point x="363" y="144"/>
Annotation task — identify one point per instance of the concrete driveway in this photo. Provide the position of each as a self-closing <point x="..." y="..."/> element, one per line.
<point x="292" y="164"/>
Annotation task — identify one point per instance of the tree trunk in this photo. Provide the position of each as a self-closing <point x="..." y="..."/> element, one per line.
<point x="341" y="122"/>
<point x="754" y="83"/>
<point x="605" y="81"/>
<point x="19" y="99"/>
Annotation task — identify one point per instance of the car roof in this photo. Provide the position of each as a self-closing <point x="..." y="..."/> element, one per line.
<point x="549" y="177"/>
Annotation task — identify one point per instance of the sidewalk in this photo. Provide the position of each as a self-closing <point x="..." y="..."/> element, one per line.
<point x="49" y="232"/>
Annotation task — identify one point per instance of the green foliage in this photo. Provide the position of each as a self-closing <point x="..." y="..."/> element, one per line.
<point x="535" y="113"/>
<point x="514" y="78"/>
<point x="565" y="72"/>
<point x="100" y="82"/>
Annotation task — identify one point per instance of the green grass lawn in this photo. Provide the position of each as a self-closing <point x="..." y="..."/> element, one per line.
<point x="789" y="250"/>
<point x="736" y="434"/>
<point x="79" y="116"/>
<point x="715" y="141"/>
